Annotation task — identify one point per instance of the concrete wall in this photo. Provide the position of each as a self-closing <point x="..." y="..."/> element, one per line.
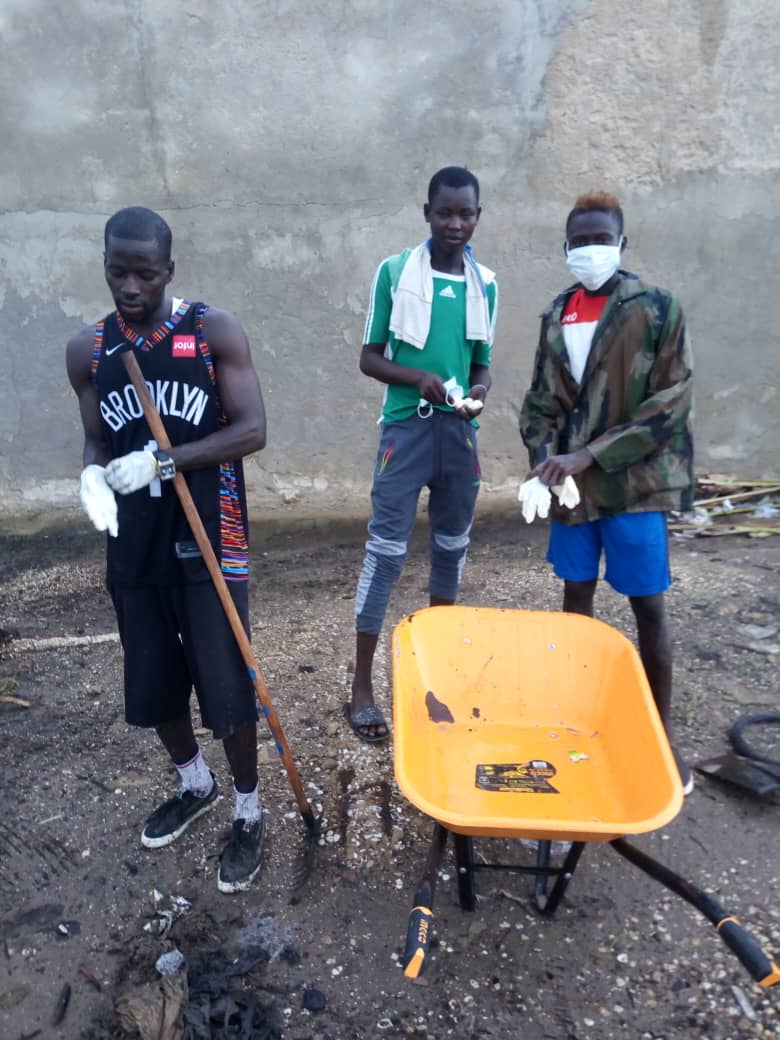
<point x="289" y="144"/>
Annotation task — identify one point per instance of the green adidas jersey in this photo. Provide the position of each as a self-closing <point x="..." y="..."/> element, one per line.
<point x="447" y="352"/>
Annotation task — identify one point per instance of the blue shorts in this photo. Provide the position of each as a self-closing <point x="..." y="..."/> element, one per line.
<point x="635" y="546"/>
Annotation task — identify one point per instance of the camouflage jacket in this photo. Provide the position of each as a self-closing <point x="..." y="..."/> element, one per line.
<point x="632" y="409"/>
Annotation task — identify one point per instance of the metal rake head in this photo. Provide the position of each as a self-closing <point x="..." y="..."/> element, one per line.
<point x="307" y="854"/>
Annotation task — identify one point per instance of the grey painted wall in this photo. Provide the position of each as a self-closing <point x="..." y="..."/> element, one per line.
<point x="289" y="144"/>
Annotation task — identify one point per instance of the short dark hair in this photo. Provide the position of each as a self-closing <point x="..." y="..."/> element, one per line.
<point x="599" y="200"/>
<point x="139" y="224"/>
<point x="452" y="177"/>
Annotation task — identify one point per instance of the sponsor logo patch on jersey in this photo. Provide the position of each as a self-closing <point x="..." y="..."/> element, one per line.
<point x="183" y="347"/>
<point x="448" y="291"/>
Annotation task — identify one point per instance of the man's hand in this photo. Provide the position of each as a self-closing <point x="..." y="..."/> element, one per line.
<point x="478" y="393"/>
<point x="557" y="468"/>
<point x="98" y="500"/>
<point x="431" y="387"/>
<point x="473" y="403"/>
<point x="131" y="472"/>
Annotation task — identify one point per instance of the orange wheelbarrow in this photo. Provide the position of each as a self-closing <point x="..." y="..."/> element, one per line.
<point x="536" y="725"/>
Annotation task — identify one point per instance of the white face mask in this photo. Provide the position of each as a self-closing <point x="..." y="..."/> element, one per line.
<point x="593" y="265"/>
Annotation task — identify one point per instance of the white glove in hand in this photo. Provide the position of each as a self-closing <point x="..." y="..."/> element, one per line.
<point x="535" y="498"/>
<point x="567" y="493"/>
<point x="98" y="500"/>
<point x="472" y="403"/>
<point x="131" y="472"/>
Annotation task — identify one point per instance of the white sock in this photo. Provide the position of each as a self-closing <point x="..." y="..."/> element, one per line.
<point x="195" y="775"/>
<point x="247" y="805"/>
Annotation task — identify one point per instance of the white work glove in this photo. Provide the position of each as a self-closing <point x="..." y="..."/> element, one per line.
<point x="131" y="472"/>
<point x="456" y="400"/>
<point x="535" y="498"/>
<point x="567" y="493"/>
<point x="98" y="500"/>
<point x="472" y="403"/>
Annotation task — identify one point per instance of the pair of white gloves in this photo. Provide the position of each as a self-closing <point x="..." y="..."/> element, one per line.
<point x="126" y="474"/>
<point x="535" y="498"/>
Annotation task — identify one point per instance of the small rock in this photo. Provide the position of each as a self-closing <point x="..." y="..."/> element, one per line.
<point x="14" y="996"/>
<point x="170" y="962"/>
<point x="314" y="999"/>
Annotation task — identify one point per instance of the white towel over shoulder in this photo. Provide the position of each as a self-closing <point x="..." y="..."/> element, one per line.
<point x="410" y="318"/>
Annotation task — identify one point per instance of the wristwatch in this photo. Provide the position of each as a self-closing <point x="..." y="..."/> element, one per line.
<point x="166" y="467"/>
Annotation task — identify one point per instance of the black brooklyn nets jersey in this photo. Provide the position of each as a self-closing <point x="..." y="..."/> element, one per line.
<point x="155" y="544"/>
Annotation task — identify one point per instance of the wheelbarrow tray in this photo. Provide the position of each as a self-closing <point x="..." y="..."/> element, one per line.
<point x="537" y="724"/>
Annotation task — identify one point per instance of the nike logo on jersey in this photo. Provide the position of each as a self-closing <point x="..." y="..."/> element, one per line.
<point x="448" y="291"/>
<point x="170" y="398"/>
<point x="113" y="350"/>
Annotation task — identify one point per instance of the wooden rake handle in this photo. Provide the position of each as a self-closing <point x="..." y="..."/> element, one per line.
<point x="201" y="537"/>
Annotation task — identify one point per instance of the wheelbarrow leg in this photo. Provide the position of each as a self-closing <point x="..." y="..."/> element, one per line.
<point x="540" y="883"/>
<point x="418" y="930"/>
<point x="464" y="863"/>
<point x="550" y="904"/>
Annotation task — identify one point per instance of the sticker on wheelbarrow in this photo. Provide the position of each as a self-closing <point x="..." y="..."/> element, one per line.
<point x="529" y="777"/>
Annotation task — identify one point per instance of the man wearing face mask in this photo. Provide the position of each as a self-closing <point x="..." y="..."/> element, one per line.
<point x="610" y="407"/>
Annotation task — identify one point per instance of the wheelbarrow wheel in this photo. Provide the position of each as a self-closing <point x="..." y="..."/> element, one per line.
<point x="464" y="863"/>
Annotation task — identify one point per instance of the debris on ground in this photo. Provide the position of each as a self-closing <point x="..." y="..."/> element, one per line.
<point x="8" y="687"/>
<point x="720" y="499"/>
<point x="154" y="1010"/>
<point x="61" y="1007"/>
<point x="169" y="963"/>
<point x="164" y="919"/>
<point x="11" y="997"/>
<point x="313" y="999"/>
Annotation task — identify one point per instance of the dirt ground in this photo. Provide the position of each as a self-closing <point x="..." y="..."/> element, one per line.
<point x="622" y="957"/>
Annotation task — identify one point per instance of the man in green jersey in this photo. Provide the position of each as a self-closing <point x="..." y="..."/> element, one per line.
<point x="429" y="338"/>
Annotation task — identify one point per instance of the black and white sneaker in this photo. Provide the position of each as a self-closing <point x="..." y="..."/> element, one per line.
<point x="173" y="817"/>
<point x="240" y="859"/>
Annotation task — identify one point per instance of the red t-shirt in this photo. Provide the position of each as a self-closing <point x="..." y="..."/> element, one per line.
<point x="580" y="318"/>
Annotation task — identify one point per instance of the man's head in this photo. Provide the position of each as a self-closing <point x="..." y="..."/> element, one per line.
<point x="137" y="262"/>
<point x="453" y="207"/>
<point x="596" y="220"/>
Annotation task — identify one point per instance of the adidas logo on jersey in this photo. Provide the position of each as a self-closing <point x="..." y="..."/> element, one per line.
<point x="448" y="291"/>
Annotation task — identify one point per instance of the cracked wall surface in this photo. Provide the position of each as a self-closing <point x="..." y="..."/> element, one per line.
<point x="289" y="144"/>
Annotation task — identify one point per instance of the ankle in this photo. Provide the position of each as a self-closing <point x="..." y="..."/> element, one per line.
<point x="195" y="775"/>
<point x="247" y="804"/>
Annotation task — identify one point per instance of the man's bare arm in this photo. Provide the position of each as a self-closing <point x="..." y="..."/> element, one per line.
<point x="78" y="361"/>
<point x="239" y="394"/>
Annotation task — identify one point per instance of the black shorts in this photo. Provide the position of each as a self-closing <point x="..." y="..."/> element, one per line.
<point x="175" y="637"/>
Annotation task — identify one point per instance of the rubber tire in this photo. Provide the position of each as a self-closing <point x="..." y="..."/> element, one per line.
<point x="739" y="743"/>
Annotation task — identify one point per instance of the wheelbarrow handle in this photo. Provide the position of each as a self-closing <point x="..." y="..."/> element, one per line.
<point x="741" y="943"/>
<point x="420" y="926"/>
<point x="418" y="939"/>
<point x="738" y="939"/>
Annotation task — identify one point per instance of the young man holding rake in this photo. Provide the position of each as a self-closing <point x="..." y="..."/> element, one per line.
<point x="197" y="365"/>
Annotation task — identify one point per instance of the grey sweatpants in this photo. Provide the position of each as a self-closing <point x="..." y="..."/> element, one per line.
<point x="438" y="452"/>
